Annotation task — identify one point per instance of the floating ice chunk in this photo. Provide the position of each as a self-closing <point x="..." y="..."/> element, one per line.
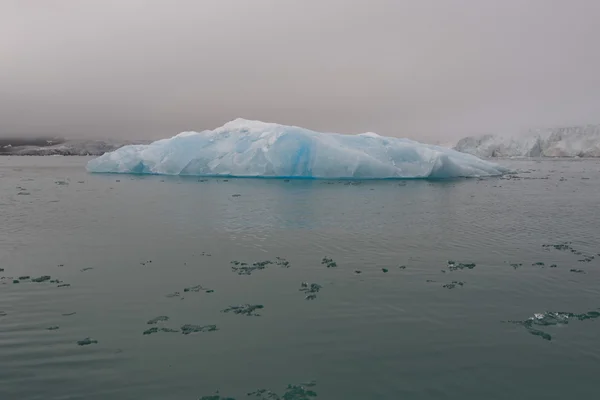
<point x="246" y="148"/>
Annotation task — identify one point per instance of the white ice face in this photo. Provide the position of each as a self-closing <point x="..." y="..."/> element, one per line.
<point x="578" y="141"/>
<point x="256" y="149"/>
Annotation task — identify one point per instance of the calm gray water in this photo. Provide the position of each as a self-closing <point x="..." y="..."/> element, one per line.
<point x="124" y="243"/>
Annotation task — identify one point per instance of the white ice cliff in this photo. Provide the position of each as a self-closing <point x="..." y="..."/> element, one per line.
<point x="579" y="141"/>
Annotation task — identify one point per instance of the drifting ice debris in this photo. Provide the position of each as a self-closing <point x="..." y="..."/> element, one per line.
<point x="69" y="314"/>
<point x="453" y="265"/>
<point x="282" y="262"/>
<point x="174" y="294"/>
<point x="24" y="277"/>
<point x="384" y="269"/>
<point x="189" y="328"/>
<point x="562" y="246"/>
<point x="64" y="285"/>
<point x="245" y="309"/>
<point x="258" y="149"/>
<point x="3" y="313"/>
<point x="198" y="288"/>
<point x="86" y="341"/>
<point x="515" y="265"/>
<point x="538" y="264"/>
<point x="551" y="319"/>
<point x="453" y="284"/>
<point x="244" y="269"/>
<point x="52" y="328"/>
<point x="328" y="262"/>
<point x="161" y="318"/>
<point x="402" y="266"/>
<point x="43" y="278"/>
<point x="311" y="290"/>
<point x="156" y="329"/>
<point x="577" y="271"/>
<point x="566" y="246"/>
<point x="358" y="271"/>
<point x="86" y="269"/>
<point x="292" y="392"/>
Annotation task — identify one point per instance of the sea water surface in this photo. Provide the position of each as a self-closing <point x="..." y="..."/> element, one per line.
<point x="400" y="311"/>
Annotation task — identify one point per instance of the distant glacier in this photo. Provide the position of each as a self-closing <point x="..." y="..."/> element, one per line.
<point x="244" y="148"/>
<point x="578" y="141"/>
<point x="59" y="146"/>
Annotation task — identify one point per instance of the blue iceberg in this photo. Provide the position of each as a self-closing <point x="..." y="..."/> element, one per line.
<point x="243" y="148"/>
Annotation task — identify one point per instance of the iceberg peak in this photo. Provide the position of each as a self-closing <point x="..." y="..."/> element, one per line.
<point x="246" y="148"/>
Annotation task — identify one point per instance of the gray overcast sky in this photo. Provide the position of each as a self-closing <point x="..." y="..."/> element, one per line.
<point x="428" y="69"/>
